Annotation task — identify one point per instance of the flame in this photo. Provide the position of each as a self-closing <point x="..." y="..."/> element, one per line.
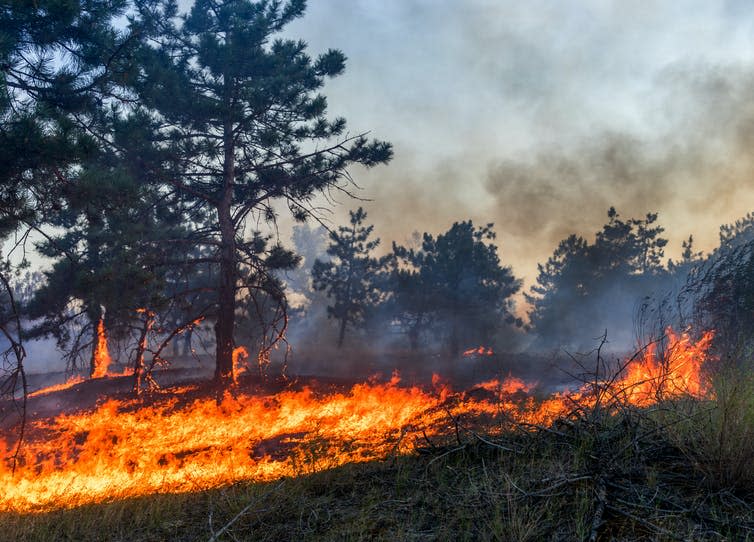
<point x="240" y="356"/>
<point x="480" y="351"/>
<point x="58" y="387"/>
<point x="101" y="357"/>
<point x="181" y="440"/>
<point x="508" y="386"/>
<point x="676" y="371"/>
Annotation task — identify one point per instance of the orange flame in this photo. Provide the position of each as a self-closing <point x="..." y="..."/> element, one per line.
<point x="508" y="386"/>
<point x="101" y="359"/>
<point x="676" y="371"/>
<point x="58" y="387"/>
<point x="125" y="448"/>
<point x="480" y="351"/>
<point x="240" y="356"/>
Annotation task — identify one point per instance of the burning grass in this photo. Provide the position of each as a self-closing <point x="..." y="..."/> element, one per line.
<point x="617" y="477"/>
<point x="629" y="454"/>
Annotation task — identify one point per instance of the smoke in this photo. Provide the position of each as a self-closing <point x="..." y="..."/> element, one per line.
<point x="690" y="160"/>
<point x="538" y="117"/>
<point x="696" y="168"/>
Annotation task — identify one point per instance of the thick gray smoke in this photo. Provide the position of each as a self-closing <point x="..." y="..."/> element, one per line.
<point x="538" y="116"/>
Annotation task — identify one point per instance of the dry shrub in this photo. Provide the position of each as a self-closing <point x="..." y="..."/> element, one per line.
<point x="717" y="434"/>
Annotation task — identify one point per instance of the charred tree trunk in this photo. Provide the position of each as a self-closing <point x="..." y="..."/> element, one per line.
<point x="342" y="334"/>
<point x="95" y="310"/>
<point x="226" y="304"/>
<point x="187" y="341"/>
<point x="141" y="348"/>
<point x="225" y="314"/>
<point x="95" y="348"/>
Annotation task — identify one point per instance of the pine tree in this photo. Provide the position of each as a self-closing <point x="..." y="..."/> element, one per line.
<point x="59" y="59"/>
<point x="111" y="230"/>
<point x="351" y="278"/>
<point x="456" y="283"/>
<point x="585" y="287"/>
<point x="237" y="124"/>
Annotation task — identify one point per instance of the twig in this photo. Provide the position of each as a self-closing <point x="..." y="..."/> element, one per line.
<point x="645" y="523"/>
<point x="601" y="495"/>
<point x="245" y="509"/>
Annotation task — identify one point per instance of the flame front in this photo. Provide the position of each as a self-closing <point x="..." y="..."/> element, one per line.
<point x="125" y="448"/>
<point x="58" y="387"/>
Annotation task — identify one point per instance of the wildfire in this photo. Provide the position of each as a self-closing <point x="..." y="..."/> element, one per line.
<point x="182" y="441"/>
<point x="676" y="371"/>
<point x="101" y="356"/>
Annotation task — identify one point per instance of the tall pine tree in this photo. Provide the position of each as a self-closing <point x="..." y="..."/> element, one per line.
<point x="239" y="126"/>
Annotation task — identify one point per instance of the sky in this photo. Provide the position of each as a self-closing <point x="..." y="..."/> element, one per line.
<point x="538" y="116"/>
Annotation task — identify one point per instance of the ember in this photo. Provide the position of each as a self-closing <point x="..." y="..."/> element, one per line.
<point x="481" y="351"/>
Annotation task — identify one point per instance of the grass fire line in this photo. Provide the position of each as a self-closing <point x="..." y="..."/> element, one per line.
<point x="183" y="440"/>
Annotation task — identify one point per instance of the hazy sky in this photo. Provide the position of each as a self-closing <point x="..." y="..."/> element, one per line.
<point x="539" y="115"/>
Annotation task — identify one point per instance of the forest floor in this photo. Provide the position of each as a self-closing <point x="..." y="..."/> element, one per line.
<point x="679" y="469"/>
<point x="622" y="476"/>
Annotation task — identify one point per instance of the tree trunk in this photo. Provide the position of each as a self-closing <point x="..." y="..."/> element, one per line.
<point x="187" y="336"/>
<point x="93" y="355"/>
<point x="342" y="334"/>
<point x="226" y="303"/>
<point x="226" y="314"/>
<point x="94" y="311"/>
<point x="140" y="349"/>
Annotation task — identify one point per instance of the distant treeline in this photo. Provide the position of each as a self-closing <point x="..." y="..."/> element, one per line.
<point x="451" y="291"/>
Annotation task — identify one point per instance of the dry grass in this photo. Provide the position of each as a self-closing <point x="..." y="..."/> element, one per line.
<point x="717" y="436"/>
<point x="680" y="470"/>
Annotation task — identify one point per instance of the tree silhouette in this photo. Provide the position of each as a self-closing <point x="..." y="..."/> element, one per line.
<point x="351" y="278"/>
<point x="584" y="288"/>
<point x="722" y="286"/>
<point x="454" y="285"/>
